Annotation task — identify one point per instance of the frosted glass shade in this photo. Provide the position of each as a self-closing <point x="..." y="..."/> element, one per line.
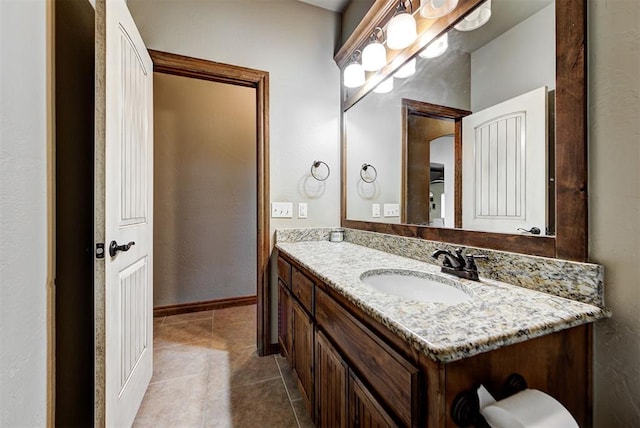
<point x="353" y="75"/>
<point x="384" y="86"/>
<point x="406" y="70"/>
<point x="401" y="31"/>
<point x="475" y="19"/>
<point x="436" y="48"/>
<point x="374" y="56"/>
<point x="433" y="9"/>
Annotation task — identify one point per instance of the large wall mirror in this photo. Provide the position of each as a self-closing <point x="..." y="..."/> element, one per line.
<point x="483" y="144"/>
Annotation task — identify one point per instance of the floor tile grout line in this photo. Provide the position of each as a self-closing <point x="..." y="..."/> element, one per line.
<point x="182" y="322"/>
<point x="175" y="379"/>
<point x="181" y="344"/>
<point x="293" y="409"/>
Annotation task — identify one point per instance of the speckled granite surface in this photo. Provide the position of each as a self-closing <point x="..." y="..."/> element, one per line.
<point x="576" y="281"/>
<point x="498" y="314"/>
<point x="301" y="235"/>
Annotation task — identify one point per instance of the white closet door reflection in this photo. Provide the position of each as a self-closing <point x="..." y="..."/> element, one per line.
<point x="503" y="146"/>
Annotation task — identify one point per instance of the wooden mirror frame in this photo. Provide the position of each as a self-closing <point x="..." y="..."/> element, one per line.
<point x="571" y="239"/>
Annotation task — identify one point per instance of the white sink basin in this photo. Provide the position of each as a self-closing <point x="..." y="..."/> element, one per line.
<point x="416" y="285"/>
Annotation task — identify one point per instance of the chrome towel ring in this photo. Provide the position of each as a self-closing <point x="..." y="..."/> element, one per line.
<point x="363" y="171"/>
<point x="314" y="170"/>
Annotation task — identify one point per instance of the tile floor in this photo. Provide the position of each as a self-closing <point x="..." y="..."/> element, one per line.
<point x="206" y="374"/>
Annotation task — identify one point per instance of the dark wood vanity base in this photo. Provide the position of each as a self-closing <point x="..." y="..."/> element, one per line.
<point x="354" y="371"/>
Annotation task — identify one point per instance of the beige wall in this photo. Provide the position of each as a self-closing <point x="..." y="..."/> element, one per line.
<point x="23" y="213"/>
<point x="518" y="61"/>
<point x="614" y="195"/>
<point x="205" y="234"/>
<point x="294" y="42"/>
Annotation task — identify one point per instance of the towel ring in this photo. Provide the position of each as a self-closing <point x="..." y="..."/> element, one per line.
<point x="365" y="167"/>
<point x="315" y="165"/>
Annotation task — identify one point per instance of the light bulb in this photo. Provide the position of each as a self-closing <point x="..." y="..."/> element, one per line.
<point x="432" y="9"/>
<point x="406" y="70"/>
<point x="374" y="56"/>
<point x="475" y="19"/>
<point x="401" y="31"/>
<point x="353" y="75"/>
<point x="436" y="48"/>
<point x="384" y="87"/>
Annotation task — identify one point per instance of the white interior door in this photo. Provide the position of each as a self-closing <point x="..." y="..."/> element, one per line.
<point x="128" y="208"/>
<point x="504" y="158"/>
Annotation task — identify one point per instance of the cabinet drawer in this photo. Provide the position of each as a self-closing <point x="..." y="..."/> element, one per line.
<point x="302" y="287"/>
<point x="284" y="271"/>
<point x="393" y="379"/>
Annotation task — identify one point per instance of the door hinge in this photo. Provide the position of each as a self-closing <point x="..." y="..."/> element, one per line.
<point x="100" y="250"/>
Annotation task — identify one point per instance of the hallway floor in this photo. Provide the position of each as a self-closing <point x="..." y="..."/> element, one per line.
<point x="206" y="374"/>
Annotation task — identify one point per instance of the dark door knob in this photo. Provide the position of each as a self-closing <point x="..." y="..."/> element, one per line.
<point x="114" y="247"/>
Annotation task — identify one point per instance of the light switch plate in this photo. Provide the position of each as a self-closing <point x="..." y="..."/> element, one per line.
<point x="302" y="210"/>
<point x="282" y="209"/>
<point x="392" y="210"/>
<point x="375" y="210"/>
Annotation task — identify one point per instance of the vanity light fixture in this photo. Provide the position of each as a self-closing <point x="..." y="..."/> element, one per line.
<point x="374" y="55"/>
<point x="385" y="86"/>
<point x="406" y="70"/>
<point x="475" y="19"/>
<point x="401" y="30"/>
<point x="432" y="9"/>
<point x="436" y="48"/>
<point x="353" y="74"/>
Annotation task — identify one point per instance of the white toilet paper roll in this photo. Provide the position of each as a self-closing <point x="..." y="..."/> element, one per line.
<point x="528" y="409"/>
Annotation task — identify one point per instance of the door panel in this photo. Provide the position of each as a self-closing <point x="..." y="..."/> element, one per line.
<point x="504" y="174"/>
<point x="124" y="194"/>
<point x="134" y="335"/>
<point x="330" y="385"/>
<point x="303" y="352"/>
<point x="364" y="410"/>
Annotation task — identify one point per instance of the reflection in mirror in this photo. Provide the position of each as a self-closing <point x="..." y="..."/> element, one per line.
<point x="430" y="138"/>
<point x="441" y="182"/>
<point x="514" y="53"/>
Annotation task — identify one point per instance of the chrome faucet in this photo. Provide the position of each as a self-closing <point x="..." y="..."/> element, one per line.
<point x="459" y="264"/>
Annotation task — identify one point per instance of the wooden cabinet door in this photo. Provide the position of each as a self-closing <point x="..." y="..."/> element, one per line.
<point x="303" y="351"/>
<point x="364" y="410"/>
<point x="330" y="385"/>
<point x="285" y="322"/>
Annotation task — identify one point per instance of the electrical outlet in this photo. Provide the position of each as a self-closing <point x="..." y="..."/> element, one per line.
<point x="281" y="209"/>
<point x="375" y="210"/>
<point x="392" y="210"/>
<point x="302" y="210"/>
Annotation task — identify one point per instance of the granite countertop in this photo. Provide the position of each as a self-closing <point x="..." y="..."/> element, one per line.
<point x="498" y="314"/>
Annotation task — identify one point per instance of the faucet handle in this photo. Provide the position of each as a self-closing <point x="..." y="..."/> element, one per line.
<point x="470" y="261"/>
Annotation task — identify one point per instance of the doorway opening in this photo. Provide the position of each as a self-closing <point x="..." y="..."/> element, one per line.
<point x="239" y="174"/>
<point x="431" y="135"/>
<point x="73" y="314"/>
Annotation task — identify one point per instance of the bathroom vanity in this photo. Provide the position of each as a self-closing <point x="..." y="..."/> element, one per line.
<point x="369" y="358"/>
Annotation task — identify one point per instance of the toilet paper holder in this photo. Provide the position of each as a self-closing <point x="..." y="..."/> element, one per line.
<point x="465" y="410"/>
